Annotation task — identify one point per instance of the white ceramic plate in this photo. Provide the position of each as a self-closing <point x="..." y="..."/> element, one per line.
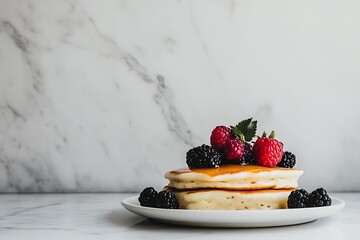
<point x="233" y="218"/>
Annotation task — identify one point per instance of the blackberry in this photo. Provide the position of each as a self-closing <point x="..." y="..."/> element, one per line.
<point x="203" y="156"/>
<point x="147" y="197"/>
<point x="288" y="160"/>
<point x="167" y="199"/>
<point x="298" y="198"/>
<point x="249" y="157"/>
<point x="318" y="198"/>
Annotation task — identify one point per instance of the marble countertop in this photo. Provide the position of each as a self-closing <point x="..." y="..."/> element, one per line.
<point x="101" y="216"/>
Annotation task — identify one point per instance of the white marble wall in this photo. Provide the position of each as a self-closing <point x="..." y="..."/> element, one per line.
<point x="108" y="95"/>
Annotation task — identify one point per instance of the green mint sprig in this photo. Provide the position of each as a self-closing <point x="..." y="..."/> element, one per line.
<point x="245" y="130"/>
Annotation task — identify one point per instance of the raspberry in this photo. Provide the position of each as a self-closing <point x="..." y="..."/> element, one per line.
<point x="297" y="198"/>
<point x="234" y="150"/>
<point x="219" y="136"/>
<point x="318" y="198"/>
<point x="203" y="156"/>
<point x="288" y="160"/>
<point x="147" y="197"/>
<point x="167" y="199"/>
<point x="268" y="151"/>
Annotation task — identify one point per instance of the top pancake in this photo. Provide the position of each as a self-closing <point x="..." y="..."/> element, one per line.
<point x="234" y="177"/>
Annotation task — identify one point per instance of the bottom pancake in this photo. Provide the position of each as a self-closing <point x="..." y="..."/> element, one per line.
<point x="218" y="199"/>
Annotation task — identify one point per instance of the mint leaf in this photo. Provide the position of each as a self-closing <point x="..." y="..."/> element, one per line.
<point x="247" y="128"/>
<point x="237" y="133"/>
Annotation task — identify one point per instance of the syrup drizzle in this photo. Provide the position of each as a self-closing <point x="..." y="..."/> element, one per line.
<point x="230" y="169"/>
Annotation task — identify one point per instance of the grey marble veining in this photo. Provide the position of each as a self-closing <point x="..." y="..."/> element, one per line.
<point x="107" y="96"/>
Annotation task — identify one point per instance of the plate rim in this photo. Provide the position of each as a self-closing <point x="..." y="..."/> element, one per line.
<point x="127" y="202"/>
<point x="233" y="218"/>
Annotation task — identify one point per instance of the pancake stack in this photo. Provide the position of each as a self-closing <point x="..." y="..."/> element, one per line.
<point x="233" y="187"/>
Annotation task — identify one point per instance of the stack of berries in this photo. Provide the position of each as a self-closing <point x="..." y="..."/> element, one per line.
<point x="300" y="198"/>
<point x="233" y="145"/>
<point x="149" y="197"/>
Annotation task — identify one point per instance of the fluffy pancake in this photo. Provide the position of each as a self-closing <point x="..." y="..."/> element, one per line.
<point x="219" y="199"/>
<point x="234" y="177"/>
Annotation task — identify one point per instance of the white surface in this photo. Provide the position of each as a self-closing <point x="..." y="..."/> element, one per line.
<point x="101" y="216"/>
<point x="82" y="107"/>
<point x="228" y="218"/>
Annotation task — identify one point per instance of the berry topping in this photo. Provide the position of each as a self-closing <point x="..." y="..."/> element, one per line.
<point x="167" y="199"/>
<point x="249" y="157"/>
<point x="297" y="198"/>
<point x="219" y="136"/>
<point x="318" y="198"/>
<point x="203" y="156"/>
<point x="268" y="151"/>
<point x="234" y="150"/>
<point x="147" y="197"/>
<point x="288" y="160"/>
